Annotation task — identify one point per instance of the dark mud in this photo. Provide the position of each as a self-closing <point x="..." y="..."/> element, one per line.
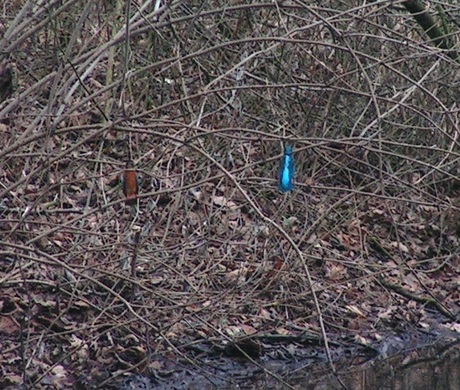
<point x="402" y="360"/>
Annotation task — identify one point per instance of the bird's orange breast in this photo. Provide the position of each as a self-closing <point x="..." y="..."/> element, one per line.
<point x="130" y="186"/>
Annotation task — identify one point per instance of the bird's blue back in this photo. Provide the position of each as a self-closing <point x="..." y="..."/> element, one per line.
<point x="287" y="171"/>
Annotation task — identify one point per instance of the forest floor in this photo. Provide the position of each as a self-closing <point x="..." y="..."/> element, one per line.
<point x="163" y="291"/>
<point x="214" y="278"/>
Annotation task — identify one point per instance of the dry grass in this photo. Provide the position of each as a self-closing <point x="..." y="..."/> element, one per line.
<point x="202" y="96"/>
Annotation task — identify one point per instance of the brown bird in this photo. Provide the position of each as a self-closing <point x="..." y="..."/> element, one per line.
<point x="130" y="183"/>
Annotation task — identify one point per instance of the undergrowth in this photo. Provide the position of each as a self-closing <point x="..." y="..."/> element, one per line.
<point x="202" y="97"/>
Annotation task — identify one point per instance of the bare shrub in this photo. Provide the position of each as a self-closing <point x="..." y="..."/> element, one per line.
<point x="202" y="96"/>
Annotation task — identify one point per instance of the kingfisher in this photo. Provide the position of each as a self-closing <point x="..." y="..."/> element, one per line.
<point x="287" y="170"/>
<point x="130" y="183"/>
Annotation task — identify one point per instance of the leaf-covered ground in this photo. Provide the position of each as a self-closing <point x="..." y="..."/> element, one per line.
<point x="214" y="261"/>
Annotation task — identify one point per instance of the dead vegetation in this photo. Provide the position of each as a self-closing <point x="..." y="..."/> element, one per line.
<point x="214" y="260"/>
